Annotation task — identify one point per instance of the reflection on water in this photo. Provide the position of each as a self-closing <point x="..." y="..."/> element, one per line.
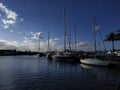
<point x="34" y="73"/>
<point x="106" y="78"/>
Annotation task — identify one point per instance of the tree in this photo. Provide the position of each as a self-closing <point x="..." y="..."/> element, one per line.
<point x="118" y="35"/>
<point x="111" y="37"/>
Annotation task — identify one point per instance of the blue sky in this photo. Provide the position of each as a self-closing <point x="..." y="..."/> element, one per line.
<point x="23" y="20"/>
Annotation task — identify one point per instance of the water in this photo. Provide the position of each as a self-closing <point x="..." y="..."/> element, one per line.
<point x="35" y="73"/>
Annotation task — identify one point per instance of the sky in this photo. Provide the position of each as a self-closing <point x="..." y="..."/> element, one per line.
<point x="22" y="22"/>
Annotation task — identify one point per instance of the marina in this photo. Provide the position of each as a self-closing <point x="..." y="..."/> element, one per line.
<point x="59" y="45"/>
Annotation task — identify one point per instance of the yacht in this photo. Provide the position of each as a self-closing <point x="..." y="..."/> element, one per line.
<point x="95" y="61"/>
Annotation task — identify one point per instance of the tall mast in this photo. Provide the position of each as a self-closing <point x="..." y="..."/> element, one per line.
<point x="39" y="48"/>
<point x="94" y="30"/>
<point x="39" y="45"/>
<point x="69" y="38"/>
<point x="75" y="38"/>
<point x="65" y="28"/>
<point x="48" y="41"/>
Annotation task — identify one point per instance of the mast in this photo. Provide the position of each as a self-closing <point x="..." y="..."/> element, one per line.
<point x="48" y="41"/>
<point x="102" y="40"/>
<point x="94" y="30"/>
<point x="39" y="45"/>
<point x="65" y="28"/>
<point x="75" y="38"/>
<point x="69" y="38"/>
<point x="39" y="48"/>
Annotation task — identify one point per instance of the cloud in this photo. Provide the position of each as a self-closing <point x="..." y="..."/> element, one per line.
<point x="19" y="32"/>
<point x="5" y="26"/>
<point x="11" y="45"/>
<point x="31" y="33"/>
<point x="4" y="44"/>
<point x="11" y="30"/>
<point x="37" y="35"/>
<point x="33" y="46"/>
<point x="9" y="13"/>
<point x="84" y="44"/>
<point x="29" y="44"/>
<point x="21" y="19"/>
<point x="8" y="22"/>
<point x="10" y="18"/>
<point x="26" y="40"/>
<point x="53" y="41"/>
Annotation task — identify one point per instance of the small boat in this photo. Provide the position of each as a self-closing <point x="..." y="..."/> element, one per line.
<point x="94" y="62"/>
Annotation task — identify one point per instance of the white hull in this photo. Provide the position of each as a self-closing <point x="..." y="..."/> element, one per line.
<point x="96" y="62"/>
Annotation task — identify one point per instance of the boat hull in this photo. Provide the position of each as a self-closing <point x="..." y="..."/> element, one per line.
<point x="63" y="58"/>
<point x="95" y="62"/>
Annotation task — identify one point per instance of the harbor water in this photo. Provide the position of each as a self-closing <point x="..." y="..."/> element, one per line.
<point x="39" y="73"/>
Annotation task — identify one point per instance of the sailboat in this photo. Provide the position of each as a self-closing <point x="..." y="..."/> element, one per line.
<point x="64" y="56"/>
<point x="40" y="54"/>
<point x="49" y="53"/>
<point x="95" y="61"/>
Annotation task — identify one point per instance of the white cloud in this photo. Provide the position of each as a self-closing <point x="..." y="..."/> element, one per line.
<point x="8" y="22"/>
<point x="21" y="19"/>
<point x="26" y="40"/>
<point x="10" y="18"/>
<point x="4" y="44"/>
<point x="19" y="32"/>
<point x="37" y="35"/>
<point x="31" y="33"/>
<point x="28" y="44"/>
<point x="85" y="46"/>
<point x="33" y="46"/>
<point x="5" y="26"/>
<point x="9" y="13"/>
<point x="53" y="41"/>
<point x="11" y="30"/>
<point x="84" y="43"/>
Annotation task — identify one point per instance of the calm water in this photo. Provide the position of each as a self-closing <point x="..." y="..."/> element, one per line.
<point x="34" y="73"/>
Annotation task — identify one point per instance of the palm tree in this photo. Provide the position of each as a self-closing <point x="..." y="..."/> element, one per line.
<point x="118" y="35"/>
<point x="111" y="37"/>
